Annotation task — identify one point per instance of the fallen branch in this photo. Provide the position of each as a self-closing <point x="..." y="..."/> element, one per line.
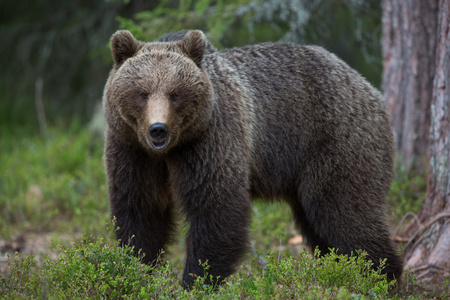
<point x="413" y="242"/>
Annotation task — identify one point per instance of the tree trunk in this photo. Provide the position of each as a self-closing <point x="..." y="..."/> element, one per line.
<point x="409" y="41"/>
<point x="427" y="254"/>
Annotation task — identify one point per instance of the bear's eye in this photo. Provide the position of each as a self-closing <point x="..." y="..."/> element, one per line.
<point x="143" y="96"/>
<point x="173" y="97"/>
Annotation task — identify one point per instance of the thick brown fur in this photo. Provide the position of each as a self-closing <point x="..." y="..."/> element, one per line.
<point x="264" y="121"/>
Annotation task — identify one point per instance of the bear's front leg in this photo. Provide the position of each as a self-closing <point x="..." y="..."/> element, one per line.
<point x="218" y="236"/>
<point x="215" y="198"/>
<point x="140" y="198"/>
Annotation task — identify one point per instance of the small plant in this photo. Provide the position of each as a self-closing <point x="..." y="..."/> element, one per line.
<point x="445" y="291"/>
<point x="91" y="268"/>
<point x="329" y="276"/>
<point x="204" y="285"/>
<point x="21" y="280"/>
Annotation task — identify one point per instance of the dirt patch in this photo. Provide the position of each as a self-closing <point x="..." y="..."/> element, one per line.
<point x="29" y="242"/>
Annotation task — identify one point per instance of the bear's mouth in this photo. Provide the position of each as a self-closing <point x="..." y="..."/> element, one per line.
<point x="156" y="145"/>
<point x="159" y="145"/>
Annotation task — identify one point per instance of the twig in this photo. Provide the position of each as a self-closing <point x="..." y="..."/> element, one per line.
<point x="400" y="239"/>
<point x="279" y="250"/>
<point x="40" y="106"/>
<point x="409" y="213"/>
<point x="434" y="219"/>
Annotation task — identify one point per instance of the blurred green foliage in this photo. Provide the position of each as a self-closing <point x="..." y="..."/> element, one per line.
<point x="62" y="43"/>
<point x="406" y="195"/>
<point x="349" y="28"/>
<point x="65" y="44"/>
<point x="52" y="183"/>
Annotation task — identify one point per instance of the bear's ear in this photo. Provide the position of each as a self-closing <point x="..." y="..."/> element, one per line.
<point x="194" y="46"/>
<point x="124" y="46"/>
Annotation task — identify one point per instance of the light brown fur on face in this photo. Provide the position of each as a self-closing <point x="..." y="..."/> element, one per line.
<point x="206" y="132"/>
<point x="158" y="84"/>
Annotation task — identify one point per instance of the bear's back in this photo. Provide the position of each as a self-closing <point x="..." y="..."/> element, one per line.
<point x="304" y="100"/>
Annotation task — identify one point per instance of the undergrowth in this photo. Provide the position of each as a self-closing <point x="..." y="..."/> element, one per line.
<point x="92" y="268"/>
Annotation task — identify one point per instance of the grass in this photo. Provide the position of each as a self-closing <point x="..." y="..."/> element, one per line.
<point x="93" y="268"/>
<point x="57" y="184"/>
<point x="57" y="180"/>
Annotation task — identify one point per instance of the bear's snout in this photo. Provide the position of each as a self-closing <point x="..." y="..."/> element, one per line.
<point x="158" y="131"/>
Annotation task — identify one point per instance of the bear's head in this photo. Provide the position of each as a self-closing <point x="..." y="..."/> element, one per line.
<point x="158" y="94"/>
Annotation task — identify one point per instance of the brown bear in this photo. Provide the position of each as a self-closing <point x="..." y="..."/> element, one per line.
<point x="205" y="131"/>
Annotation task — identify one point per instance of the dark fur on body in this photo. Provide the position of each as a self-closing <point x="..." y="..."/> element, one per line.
<point x="264" y="121"/>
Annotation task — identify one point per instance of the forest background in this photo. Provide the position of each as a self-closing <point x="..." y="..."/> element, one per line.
<point x="55" y="59"/>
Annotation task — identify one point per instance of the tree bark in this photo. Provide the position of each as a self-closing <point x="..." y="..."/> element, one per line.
<point x="427" y="253"/>
<point x="409" y="41"/>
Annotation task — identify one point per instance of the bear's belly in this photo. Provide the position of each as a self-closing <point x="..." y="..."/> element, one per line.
<point x="270" y="182"/>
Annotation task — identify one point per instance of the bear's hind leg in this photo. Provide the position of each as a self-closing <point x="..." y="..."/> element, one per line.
<point x="313" y="240"/>
<point x="328" y="221"/>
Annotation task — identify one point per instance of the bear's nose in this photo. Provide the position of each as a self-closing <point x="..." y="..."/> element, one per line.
<point x="158" y="131"/>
